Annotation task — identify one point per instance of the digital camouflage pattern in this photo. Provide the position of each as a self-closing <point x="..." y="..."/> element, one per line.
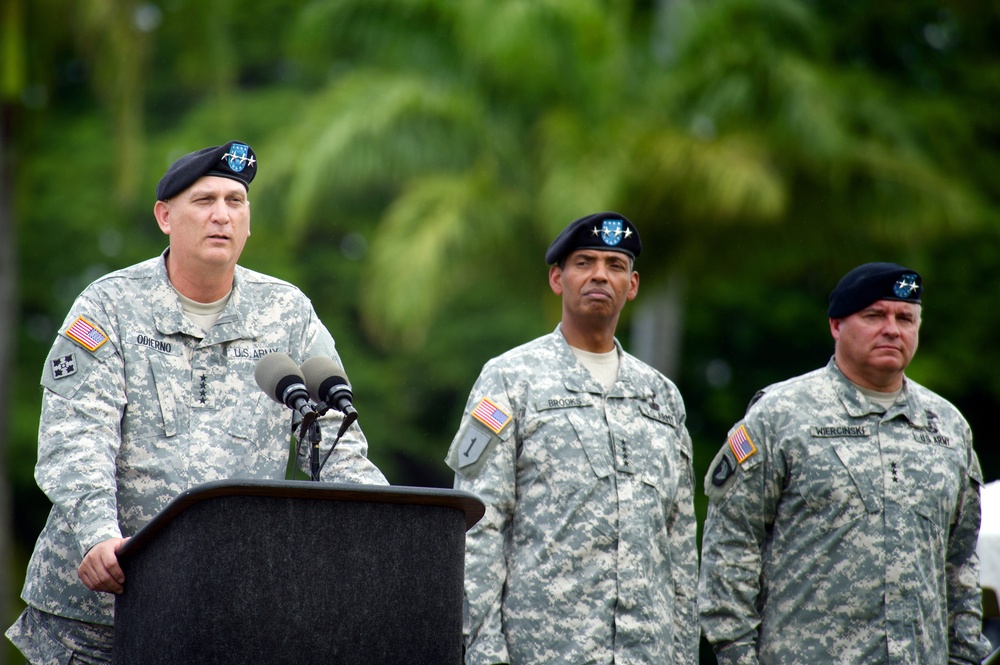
<point x="587" y="552"/>
<point x="47" y="639"/>
<point x="848" y="534"/>
<point x="160" y="407"/>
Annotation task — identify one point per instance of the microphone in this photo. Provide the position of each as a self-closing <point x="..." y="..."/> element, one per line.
<point x="327" y="383"/>
<point x="279" y="377"/>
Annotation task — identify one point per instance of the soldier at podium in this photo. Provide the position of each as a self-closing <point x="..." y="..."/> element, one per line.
<point x="581" y="454"/>
<point x="149" y="390"/>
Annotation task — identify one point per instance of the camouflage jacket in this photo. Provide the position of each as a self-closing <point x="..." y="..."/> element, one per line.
<point x="839" y="532"/>
<point x="587" y="552"/>
<point x="140" y="404"/>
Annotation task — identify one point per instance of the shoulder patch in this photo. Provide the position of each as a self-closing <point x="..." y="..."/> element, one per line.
<point x="472" y="445"/>
<point x="471" y="448"/>
<point x="722" y="475"/>
<point x="491" y="415"/>
<point x="86" y="334"/>
<point x="722" y="471"/>
<point x="741" y="444"/>
<point x="63" y="366"/>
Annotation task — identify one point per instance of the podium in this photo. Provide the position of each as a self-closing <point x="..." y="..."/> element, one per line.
<point x="297" y="572"/>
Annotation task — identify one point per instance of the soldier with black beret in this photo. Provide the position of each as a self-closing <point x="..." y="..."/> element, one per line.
<point x="587" y="550"/>
<point x="844" y="506"/>
<point x="149" y="390"/>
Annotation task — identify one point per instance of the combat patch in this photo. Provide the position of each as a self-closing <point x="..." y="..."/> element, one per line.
<point x="741" y="444"/>
<point x="86" y="334"/>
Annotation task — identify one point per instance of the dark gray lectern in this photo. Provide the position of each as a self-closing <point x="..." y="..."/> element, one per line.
<point x="297" y="572"/>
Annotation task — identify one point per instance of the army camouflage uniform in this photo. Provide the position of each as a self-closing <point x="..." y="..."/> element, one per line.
<point x="839" y="532"/>
<point x="586" y="553"/>
<point x="157" y="408"/>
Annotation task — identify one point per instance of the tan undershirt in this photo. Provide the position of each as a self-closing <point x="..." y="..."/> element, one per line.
<point x="604" y="366"/>
<point x="882" y="399"/>
<point x="203" y="314"/>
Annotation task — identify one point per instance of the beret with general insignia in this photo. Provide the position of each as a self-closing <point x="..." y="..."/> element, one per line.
<point x="603" y="230"/>
<point x="233" y="160"/>
<point x="871" y="282"/>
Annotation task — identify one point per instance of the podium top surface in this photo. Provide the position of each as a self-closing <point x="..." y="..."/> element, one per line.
<point x="470" y="505"/>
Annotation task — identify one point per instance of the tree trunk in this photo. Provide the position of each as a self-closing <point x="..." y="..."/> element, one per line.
<point x="12" y="77"/>
<point x="658" y="327"/>
<point x="8" y="315"/>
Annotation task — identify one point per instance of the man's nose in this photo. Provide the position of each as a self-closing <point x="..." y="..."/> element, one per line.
<point x="220" y="212"/>
<point x="891" y="326"/>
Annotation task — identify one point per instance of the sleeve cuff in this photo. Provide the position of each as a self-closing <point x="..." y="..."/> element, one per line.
<point x="487" y="651"/>
<point x="737" y="654"/>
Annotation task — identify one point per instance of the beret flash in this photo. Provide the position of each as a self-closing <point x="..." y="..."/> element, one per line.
<point x="871" y="282"/>
<point x="234" y="160"/>
<point x="603" y="230"/>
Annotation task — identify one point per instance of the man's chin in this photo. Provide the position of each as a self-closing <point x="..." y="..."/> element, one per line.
<point x="891" y="362"/>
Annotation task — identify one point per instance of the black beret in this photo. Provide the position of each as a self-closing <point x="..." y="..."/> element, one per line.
<point x="870" y="282"/>
<point x="234" y="160"/>
<point x="604" y="230"/>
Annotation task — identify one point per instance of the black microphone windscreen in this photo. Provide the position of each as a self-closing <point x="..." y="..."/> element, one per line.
<point x="321" y="373"/>
<point x="274" y="373"/>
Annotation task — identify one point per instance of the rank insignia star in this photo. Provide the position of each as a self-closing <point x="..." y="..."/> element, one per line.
<point x="906" y="286"/>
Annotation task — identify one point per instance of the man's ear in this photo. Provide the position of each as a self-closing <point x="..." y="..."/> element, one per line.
<point x="633" y="289"/>
<point x="555" y="280"/>
<point x="162" y="213"/>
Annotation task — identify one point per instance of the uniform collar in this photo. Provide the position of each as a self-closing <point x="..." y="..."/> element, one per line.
<point x="577" y="378"/>
<point x="233" y="322"/>
<point x="857" y="405"/>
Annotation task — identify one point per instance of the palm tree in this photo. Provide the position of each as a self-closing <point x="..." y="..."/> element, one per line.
<point x="486" y="128"/>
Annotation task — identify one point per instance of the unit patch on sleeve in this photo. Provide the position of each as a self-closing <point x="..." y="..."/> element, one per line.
<point x="479" y="435"/>
<point x="490" y="415"/>
<point x="473" y="444"/>
<point x="741" y="444"/>
<point x="63" y="366"/>
<point x="86" y="334"/>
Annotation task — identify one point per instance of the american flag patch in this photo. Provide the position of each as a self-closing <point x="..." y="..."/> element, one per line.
<point x="741" y="445"/>
<point x="490" y="415"/>
<point x="86" y="334"/>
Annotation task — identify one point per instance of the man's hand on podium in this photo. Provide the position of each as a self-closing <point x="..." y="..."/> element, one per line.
<point x="100" y="570"/>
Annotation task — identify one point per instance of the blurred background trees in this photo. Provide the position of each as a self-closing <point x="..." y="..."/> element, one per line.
<point x="417" y="156"/>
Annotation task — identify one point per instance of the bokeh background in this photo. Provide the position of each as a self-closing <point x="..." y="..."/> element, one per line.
<point x="417" y="156"/>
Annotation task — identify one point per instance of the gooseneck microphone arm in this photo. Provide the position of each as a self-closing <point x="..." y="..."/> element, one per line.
<point x="279" y="377"/>
<point x="328" y="386"/>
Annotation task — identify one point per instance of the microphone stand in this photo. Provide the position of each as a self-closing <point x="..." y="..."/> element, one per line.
<point x="310" y="433"/>
<point x="349" y="418"/>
